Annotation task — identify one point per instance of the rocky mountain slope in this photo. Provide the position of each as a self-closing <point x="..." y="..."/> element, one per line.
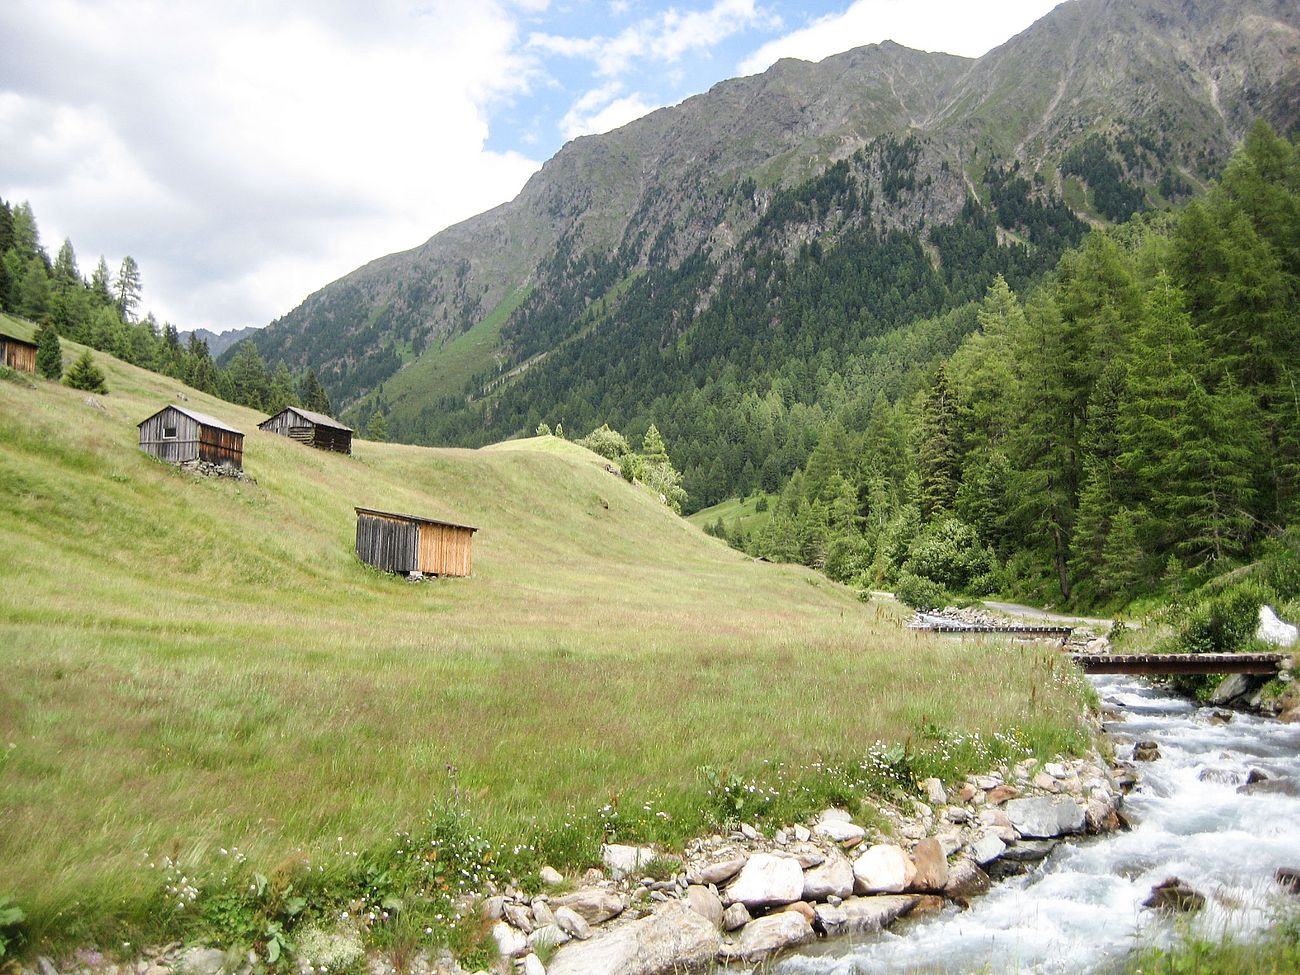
<point x="1109" y="105"/>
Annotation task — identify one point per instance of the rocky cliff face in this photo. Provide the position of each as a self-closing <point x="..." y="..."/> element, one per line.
<point x="1163" y="88"/>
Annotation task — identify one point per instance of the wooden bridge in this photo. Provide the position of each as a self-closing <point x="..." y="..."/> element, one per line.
<point x="1180" y="663"/>
<point x="1061" y="633"/>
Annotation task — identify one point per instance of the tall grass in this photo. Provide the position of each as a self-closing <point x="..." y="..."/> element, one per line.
<point x="188" y="665"/>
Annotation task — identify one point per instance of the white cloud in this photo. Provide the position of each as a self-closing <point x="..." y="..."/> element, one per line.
<point x="601" y="110"/>
<point x="953" y="26"/>
<point x="247" y="154"/>
<point x="664" y="37"/>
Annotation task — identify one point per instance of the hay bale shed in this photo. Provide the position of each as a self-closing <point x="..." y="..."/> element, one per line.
<point x="178" y="435"/>
<point x="314" y="429"/>
<point x="17" y="353"/>
<point x="408" y="543"/>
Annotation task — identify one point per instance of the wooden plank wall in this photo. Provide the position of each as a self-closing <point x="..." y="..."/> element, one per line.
<point x="18" y="355"/>
<point x="221" y="446"/>
<point x="184" y="447"/>
<point x="390" y="544"/>
<point x="329" y="438"/>
<point x="290" y="425"/>
<point x="445" y="550"/>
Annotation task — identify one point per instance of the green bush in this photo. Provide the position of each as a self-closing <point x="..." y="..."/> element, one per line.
<point x="919" y="592"/>
<point x="84" y="374"/>
<point x="610" y="444"/>
<point x="1224" y="623"/>
<point x="950" y="554"/>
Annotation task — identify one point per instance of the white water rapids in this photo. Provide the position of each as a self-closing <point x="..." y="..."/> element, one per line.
<point x="1081" y="909"/>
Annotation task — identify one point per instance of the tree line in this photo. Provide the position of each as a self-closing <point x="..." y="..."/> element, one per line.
<point x="102" y="312"/>
<point x="1128" y="424"/>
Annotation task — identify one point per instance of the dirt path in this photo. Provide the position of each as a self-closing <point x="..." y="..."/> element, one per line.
<point x="1029" y="612"/>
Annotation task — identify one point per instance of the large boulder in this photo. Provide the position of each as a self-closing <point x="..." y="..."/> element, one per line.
<point x="1175" y="896"/>
<point x="832" y="878"/>
<point x="987" y="848"/>
<point x="965" y="880"/>
<point x="931" y="866"/>
<point x="1234" y="687"/>
<point x="595" y="905"/>
<point x="883" y="869"/>
<point x="622" y="860"/>
<point x="863" y="915"/>
<point x="839" y="831"/>
<point x="766" y="936"/>
<point x="705" y="903"/>
<point x="672" y="939"/>
<point x="572" y="923"/>
<point x="1043" y="817"/>
<point x="766" y="880"/>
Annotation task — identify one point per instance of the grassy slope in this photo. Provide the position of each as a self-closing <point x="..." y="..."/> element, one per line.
<point x="444" y="371"/>
<point x="189" y="663"/>
<point x="734" y="512"/>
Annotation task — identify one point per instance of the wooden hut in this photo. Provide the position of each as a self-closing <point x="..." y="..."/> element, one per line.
<point x="177" y="435"/>
<point x="17" y="353"/>
<point x="406" y="543"/>
<point x="314" y="429"/>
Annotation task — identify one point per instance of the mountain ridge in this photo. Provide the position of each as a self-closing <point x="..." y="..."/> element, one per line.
<point x="1179" y="80"/>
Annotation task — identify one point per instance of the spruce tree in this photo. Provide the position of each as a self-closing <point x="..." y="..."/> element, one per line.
<point x="938" y="458"/>
<point x="84" y="374"/>
<point x="127" y="288"/>
<point x="49" y="354"/>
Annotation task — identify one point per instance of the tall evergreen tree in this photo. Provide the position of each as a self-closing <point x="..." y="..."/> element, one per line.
<point x="49" y="354"/>
<point x="127" y="288"/>
<point x="313" y="394"/>
<point x="938" y="453"/>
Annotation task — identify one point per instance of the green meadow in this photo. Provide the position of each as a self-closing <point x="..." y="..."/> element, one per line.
<point x="192" y="664"/>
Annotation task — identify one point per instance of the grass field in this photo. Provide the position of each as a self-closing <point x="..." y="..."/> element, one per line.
<point x="735" y="512"/>
<point x="191" y="664"/>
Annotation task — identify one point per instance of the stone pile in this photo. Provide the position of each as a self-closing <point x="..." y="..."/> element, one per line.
<point x="203" y="468"/>
<point x="747" y="896"/>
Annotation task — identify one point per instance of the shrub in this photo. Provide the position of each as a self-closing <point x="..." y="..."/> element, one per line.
<point x="949" y="553"/>
<point x="761" y="504"/>
<point x="610" y="444"/>
<point x="1224" y="623"/>
<point x="920" y="593"/>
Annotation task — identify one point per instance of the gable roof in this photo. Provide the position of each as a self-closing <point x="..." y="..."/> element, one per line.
<point x="203" y="418"/>
<point x="425" y="521"/>
<point x="320" y="419"/>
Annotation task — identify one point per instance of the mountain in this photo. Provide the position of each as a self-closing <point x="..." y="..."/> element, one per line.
<point x="637" y="267"/>
<point x="219" y="342"/>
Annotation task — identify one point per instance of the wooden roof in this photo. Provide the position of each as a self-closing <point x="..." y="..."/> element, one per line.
<point x="203" y="418"/>
<point x="320" y="419"/>
<point x="14" y="338"/>
<point x="426" y="521"/>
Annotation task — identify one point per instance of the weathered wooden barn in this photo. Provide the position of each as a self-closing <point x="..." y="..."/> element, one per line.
<point x="177" y="435"/>
<point x="314" y="429"/>
<point x="17" y="353"/>
<point x="407" y="543"/>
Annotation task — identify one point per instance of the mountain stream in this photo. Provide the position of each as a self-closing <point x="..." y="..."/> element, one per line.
<point x="1081" y="909"/>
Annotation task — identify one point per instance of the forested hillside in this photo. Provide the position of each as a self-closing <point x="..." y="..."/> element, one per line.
<point x="737" y="268"/>
<point x="1095" y="437"/>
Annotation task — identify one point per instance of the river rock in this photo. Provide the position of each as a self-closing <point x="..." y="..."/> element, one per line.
<point x="550" y="876"/>
<point x="519" y="918"/>
<point x="716" y="873"/>
<point x="863" y="915"/>
<point x="834" y="814"/>
<point x="572" y="923"/>
<point x="965" y="880"/>
<point x="883" y="869"/>
<point x="622" y="860"/>
<point x="1044" y="817"/>
<point x="766" y="880"/>
<point x="839" y="831"/>
<point x="1232" y="688"/>
<point x="802" y="834"/>
<point x="987" y="848"/>
<point x="798" y="907"/>
<point x="1174" y="895"/>
<point x="735" y="916"/>
<point x="931" y="866"/>
<point x="670" y="940"/>
<point x="533" y="965"/>
<point x="1277" y="787"/>
<point x="705" y="903"/>
<point x="542" y="914"/>
<point x="1288" y="878"/>
<point x="1220" y="776"/>
<point x="834" y="878"/>
<point x="1001" y="794"/>
<point x="494" y="908"/>
<point x="510" y="942"/>
<point x="596" y="905"/>
<point x="1273" y="630"/>
<point x="1029" y="851"/>
<point x="1101" y="816"/>
<point x="1146" y="751"/>
<point x="202" y="961"/>
<point x="547" y="937"/>
<point x="768" y="935"/>
<point x="934" y="791"/>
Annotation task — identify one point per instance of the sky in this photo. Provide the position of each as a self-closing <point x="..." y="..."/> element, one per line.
<point x="248" y="153"/>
